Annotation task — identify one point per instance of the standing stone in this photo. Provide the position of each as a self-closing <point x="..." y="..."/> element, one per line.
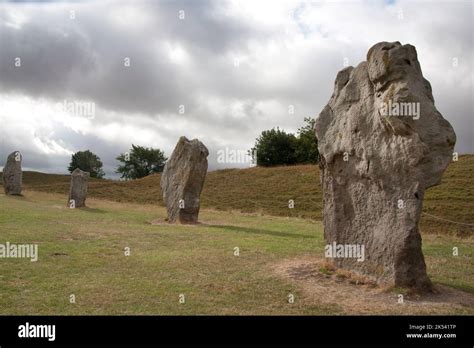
<point x="12" y="174"/>
<point x="78" y="189"/>
<point x="382" y="144"/>
<point x="182" y="180"/>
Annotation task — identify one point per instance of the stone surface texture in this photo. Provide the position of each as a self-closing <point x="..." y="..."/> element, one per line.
<point x="375" y="167"/>
<point x="182" y="180"/>
<point x="12" y="174"/>
<point x="78" y="189"/>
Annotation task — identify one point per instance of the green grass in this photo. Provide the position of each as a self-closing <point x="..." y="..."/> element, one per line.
<point x="268" y="190"/>
<point x="455" y="271"/>
<point x="81" y="252"/>
<point x="165" y="261"/>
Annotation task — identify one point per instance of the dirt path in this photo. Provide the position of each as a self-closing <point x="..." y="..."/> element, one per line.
<point x="356" y="295"/>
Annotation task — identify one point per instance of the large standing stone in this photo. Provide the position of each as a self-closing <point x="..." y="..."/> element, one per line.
<point x="182" y="180"/>
<point x="78" y="189"/>
<point x="376" y="166"/>
<point x="12" y="174"/>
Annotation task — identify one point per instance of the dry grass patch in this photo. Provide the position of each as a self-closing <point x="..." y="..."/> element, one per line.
<point x="267" y="191"/>
<point x="355" y="294"/>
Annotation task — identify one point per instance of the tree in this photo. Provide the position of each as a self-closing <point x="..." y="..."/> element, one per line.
<point x="88" y="162"/>
<point x="307" y="149"/>
<point x="140" y="162"/>
<point x="274" y="147"/>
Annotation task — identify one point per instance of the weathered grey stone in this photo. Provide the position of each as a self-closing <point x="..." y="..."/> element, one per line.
<point x="12" y="174"/>
<point x="78" y="189"/>
<point x="182" y="180"/>
<point x="376" y="166"/>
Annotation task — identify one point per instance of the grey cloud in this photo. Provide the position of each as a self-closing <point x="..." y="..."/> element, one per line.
<point x="83" y="59"/>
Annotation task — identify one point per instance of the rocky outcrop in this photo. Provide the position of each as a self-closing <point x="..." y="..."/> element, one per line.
<point x="78" y="189"/>
<point x="182" y="180"/>
<point x="382" y="144"/>
<point x="12" y="174"/>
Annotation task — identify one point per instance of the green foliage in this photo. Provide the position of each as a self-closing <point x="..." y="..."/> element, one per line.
<point x="140" y="162"/>
<point x="88" y="162"/>
<point x="307" y="149"/>
<point x="276" y="147"/>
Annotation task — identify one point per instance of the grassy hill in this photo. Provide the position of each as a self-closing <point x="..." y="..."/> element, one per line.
<point x="267" y="191"/>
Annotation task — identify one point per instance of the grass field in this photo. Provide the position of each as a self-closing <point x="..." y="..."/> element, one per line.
<point x="267" y="190"/>
<point x="81" y="252"/>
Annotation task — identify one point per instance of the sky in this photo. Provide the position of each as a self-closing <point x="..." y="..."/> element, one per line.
<point x="103" y="75"/>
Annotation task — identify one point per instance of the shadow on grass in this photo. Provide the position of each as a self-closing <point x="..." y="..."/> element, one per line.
<point x="460" y="286"/>
<point x="20" y="196"/>
<point x="23" y="197"/>
<point x="92" y="210"/>
<point x="258" y="231"/>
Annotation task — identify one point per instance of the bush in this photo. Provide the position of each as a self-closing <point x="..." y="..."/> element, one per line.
<point x="140" y="162"/>
<point x="88" y="162"/>
<point x="276" y="147"/>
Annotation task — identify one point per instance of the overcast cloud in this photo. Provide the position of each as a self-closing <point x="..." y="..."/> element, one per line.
<point x="235" y="68"/>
